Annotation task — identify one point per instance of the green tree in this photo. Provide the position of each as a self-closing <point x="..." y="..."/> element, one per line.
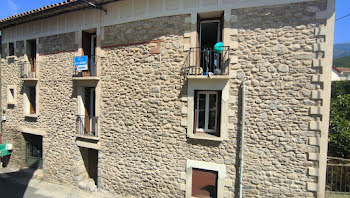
<point x="339" y="126"/>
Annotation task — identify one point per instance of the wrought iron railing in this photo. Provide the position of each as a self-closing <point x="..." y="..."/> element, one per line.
<point x="209" y="62"/>
<point x="87" y="125"/>
<point x="28" y="70"/>
<point x="92" y="68"/>
<point x="338" y="175"/>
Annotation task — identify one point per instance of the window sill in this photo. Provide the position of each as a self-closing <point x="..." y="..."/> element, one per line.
<point x="87" y="78"/>
<point x="30" y="79"/>
<point x="88" y="137"/>
<point x="203" y="77"/>
<point x="31" y="115"/>
<point x="206" y="136"/>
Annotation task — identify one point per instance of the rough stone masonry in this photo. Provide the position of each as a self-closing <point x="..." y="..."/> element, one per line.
<point x="143" y="100"/>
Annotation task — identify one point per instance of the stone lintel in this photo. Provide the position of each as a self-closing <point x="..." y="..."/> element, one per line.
<point x="33" y="131"/>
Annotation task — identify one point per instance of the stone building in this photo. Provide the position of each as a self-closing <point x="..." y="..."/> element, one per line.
<point x="138" y="98"/>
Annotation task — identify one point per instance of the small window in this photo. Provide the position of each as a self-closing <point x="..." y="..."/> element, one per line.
<point x="31" y="54"/>
<point x="30" y="100"/>
<point x="207" y="112"/>
<point x="204" y="183"/>
<point x="11" y="49"/>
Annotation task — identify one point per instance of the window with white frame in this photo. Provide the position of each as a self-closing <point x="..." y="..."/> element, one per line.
<point x="207" y="105"/>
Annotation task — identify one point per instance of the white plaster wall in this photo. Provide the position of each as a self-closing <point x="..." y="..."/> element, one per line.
<point x="127" y="11"/>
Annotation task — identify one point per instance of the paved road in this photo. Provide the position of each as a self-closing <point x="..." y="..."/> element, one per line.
<point x="9" y="189"/>
<point x="15" y="187"/>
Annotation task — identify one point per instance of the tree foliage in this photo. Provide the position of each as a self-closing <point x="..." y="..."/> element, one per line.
<point x="339" y="126"/>
<point x="342" y="61"/>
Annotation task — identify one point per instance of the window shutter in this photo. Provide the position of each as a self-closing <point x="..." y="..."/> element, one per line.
<point x="195" y="112"/>
<point x="219" y="114"/>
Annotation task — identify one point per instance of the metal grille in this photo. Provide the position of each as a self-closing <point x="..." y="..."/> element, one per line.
<point x="338" y="175"/>
<point x="87" y="125"/>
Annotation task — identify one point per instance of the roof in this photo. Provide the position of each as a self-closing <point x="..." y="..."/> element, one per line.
<point x="50" y="10"/>
<point x="343" y="69"/>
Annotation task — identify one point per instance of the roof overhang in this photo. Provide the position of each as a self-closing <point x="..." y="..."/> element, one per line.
<point x="51" y="10"/>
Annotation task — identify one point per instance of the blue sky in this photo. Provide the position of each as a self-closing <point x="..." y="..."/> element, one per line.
<point x="342" y="27"/>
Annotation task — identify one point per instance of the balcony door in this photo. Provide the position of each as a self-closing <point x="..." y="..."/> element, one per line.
<point x="89" y="49"/>
<point x="89" y="105"/>
<point x="210" y="33"/>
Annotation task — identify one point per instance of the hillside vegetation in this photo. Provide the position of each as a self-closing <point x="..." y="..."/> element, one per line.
<point x="342" y="62"/>
<point x="341" y="49"/>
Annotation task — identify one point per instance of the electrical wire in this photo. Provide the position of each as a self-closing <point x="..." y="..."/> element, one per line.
<point x="342" y="17"/>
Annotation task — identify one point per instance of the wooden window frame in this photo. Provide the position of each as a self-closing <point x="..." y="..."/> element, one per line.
<point x="216" y="130"/>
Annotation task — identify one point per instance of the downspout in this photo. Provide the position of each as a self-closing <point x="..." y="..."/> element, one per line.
<point x="242" y="139"/>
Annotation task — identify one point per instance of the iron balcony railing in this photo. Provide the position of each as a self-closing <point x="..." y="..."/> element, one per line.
<point x="208" y="62"/>
<point x="87" y="125"/>
<point x="338" y="175"/>
<point x="28" y="70"/>
<point x="92" y="68"/>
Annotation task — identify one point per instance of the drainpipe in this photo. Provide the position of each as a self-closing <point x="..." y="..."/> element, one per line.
<point x="242" y="138"/>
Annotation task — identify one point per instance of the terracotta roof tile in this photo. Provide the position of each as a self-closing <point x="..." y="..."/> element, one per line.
<point x="36" y="10"/>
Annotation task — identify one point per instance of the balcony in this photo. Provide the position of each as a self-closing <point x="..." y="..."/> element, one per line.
<point x="89" y="72"/>
<point x="28" y="71"/>
<point x="207" y="63"/>
<point x="87" y="126"/>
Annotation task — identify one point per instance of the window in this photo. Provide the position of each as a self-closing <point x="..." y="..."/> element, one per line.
<point x="207" y="112"/>
<point x="31" y="54"/>
<point x="205" y="179"/>
<point x="11" y="49"/>
<point x="30" y="101"/>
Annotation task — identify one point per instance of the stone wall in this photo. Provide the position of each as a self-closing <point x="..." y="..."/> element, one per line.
<point x="143" y="143"/>
<point x="276" y="51"/>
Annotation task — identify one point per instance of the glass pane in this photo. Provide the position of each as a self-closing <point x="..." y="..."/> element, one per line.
<point x="201" y="102"/>
<point x="212" y="111"/>
<point x="201" y="111"/>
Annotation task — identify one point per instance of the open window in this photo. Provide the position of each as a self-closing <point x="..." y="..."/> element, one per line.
<point x="207" y="112"/>
<point x="87" y="120"/>
<point x="29" y="68"/>
<point x="30" y="100"/>
<point x="209" y="34"/>
<point x="11" y="49"/>
<point x="89" y="50"/>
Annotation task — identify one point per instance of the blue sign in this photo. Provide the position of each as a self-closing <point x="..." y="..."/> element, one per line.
<point x="81" y="63"/>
